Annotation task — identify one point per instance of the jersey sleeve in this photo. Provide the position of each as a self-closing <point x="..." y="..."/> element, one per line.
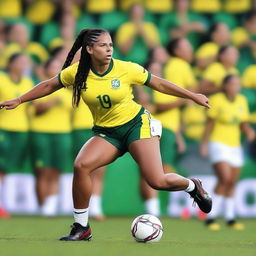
<point x="67" y="76"/>
<point x="138" y="75"/>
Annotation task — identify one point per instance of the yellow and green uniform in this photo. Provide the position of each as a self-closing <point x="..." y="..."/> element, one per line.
<point x="227" y="116"/>
<point x="179" y="72"/>
<point x="216" y="72"/>
<point x="139" y="51"/>
<point x="50" y="137"/>
<point x="206" y="50"/>
<point x="82" y="124"/>
<point x="193" y="118"/>
<point x="110" y="99"/>
<point x="14" y="125"/>
<point x="249" y="91"/>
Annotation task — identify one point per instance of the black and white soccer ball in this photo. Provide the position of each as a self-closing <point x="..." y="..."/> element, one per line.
<point x="147" y="228"/>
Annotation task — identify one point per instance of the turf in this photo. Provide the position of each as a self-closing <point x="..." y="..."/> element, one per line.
<point x="38" y="236"/>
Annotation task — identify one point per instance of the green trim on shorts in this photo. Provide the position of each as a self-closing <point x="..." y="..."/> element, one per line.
<point x="121" y="136"/>
<point x="168" y="147"/>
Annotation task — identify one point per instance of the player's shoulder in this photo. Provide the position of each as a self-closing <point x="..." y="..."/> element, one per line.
<point x="241" y="98"/>
<point x="122" y="65"/>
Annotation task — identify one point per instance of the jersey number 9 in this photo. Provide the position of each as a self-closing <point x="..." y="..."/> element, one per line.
<point x="104" y="100"/>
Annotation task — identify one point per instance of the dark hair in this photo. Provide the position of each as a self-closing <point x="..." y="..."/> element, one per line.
<point x="222" y="50"/>
<point x="172" y="46"/>
<point x="87" y="37"/>
<point x="13" y="57"/>
<point x="227" y="78"/>
<point x="249" y="15"/>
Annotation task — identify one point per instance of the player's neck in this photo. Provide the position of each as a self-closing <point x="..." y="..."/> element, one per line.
<point x="100" y="68"/>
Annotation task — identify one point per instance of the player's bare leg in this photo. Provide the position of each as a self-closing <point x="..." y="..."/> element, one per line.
<point x="96" y="153"/>
<point x="146" y="153"/>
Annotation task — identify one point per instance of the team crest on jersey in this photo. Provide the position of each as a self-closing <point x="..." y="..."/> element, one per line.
<point x="115" y="83"/>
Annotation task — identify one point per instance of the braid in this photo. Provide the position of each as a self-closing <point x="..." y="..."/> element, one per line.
<point x="87" y="37"/>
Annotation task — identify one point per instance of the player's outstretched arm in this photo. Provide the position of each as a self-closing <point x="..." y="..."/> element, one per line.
<point x="42" y="89"/>
<point x="167" y="87"/>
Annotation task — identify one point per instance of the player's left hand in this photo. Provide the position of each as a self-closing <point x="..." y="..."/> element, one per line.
<point x="201" y="100"/>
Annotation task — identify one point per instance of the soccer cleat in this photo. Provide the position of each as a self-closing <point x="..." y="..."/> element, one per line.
<point x="78" y="233"/>
<point x="235" y="225"/>
<point x="201" y="197"/>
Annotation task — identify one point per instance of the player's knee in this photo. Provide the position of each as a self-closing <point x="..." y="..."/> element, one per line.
<point x="81" y="165"/>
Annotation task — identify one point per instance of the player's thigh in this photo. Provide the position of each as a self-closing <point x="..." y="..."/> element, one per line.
<point x="146" y="153"/>
<point x="96" y="153"/>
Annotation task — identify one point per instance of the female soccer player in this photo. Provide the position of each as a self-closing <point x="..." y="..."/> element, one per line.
<point x="120" y="124"/>
<point x="228" y="115"/>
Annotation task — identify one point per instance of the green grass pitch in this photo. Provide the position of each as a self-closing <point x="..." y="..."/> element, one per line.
<point x="33" y="235"/>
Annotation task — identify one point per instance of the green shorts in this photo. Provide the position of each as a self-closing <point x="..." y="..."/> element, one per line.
<point x="121" y="136"/>
<point x="13" y="151"/>
<point x="51" y="150"/>
<point x="168" y="147"/>
<point x="79" y="138"/>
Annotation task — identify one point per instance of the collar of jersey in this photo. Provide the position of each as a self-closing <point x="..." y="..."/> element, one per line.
<point x="108" y="70"/>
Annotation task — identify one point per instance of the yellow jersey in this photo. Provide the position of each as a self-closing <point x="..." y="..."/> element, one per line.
<point x="194" y="117"/>
<point x="207" y="50"/>
<point x="82" y="118"/>
<point x="57" y="119"/>
<point x="16" y="119"/>
<point x="248" y="77"/>
<point x="109" y="96"/>
<point x="216" y="72"/>
<point x="227" y="116"/>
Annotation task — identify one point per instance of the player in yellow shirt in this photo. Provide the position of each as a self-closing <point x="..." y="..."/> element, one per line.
<point x="213" y="75"/>
<point x="227" y="117"/>
<point x="14" y="126"/>
<point x="206" y="54"/>
<point x="120" y="124"/>
<point x="135" y="37"/>
<point x="50" y="141"/>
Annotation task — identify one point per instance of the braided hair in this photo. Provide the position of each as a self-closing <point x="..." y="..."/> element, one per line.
<point x="87" y="37"/>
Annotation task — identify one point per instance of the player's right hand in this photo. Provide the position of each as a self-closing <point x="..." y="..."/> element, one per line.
<point x="10" y="104"/>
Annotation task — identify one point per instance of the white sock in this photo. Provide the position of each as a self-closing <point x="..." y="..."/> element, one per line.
<point x="191" y="186"/>
<point x="81" y="216"/>
<point x="229" y="209"/>
<point x="217" y="201"/>
<point x="152" y="206"/>
<point x="49" y="208"/>
<point x="95" y="206"/>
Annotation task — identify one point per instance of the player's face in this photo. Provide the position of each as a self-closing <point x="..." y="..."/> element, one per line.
<point x="184" y="50"/>
<point x="232" y="87"/>
<point x="102" y="51"/>
<point x="19" y="65"/>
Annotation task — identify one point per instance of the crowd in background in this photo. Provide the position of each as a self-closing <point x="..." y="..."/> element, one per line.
<point x="194" y="44"/>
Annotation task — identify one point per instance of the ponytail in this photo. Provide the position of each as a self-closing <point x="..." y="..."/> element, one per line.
<point x="87" y="37"/>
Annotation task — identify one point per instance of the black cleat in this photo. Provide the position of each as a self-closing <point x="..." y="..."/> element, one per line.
<point x="201" y="197"/>
<point x="78" y="233"/>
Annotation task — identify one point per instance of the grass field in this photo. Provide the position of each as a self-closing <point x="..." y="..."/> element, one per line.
<point x="38" y="236"/>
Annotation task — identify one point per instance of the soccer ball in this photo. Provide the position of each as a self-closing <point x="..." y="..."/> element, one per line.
<point x="147" y="228"/>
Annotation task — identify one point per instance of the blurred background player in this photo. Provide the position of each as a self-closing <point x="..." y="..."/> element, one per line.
<point x="228" y="115"/>
<point x="51" y="142"/>
<point x="14" y="128"/>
